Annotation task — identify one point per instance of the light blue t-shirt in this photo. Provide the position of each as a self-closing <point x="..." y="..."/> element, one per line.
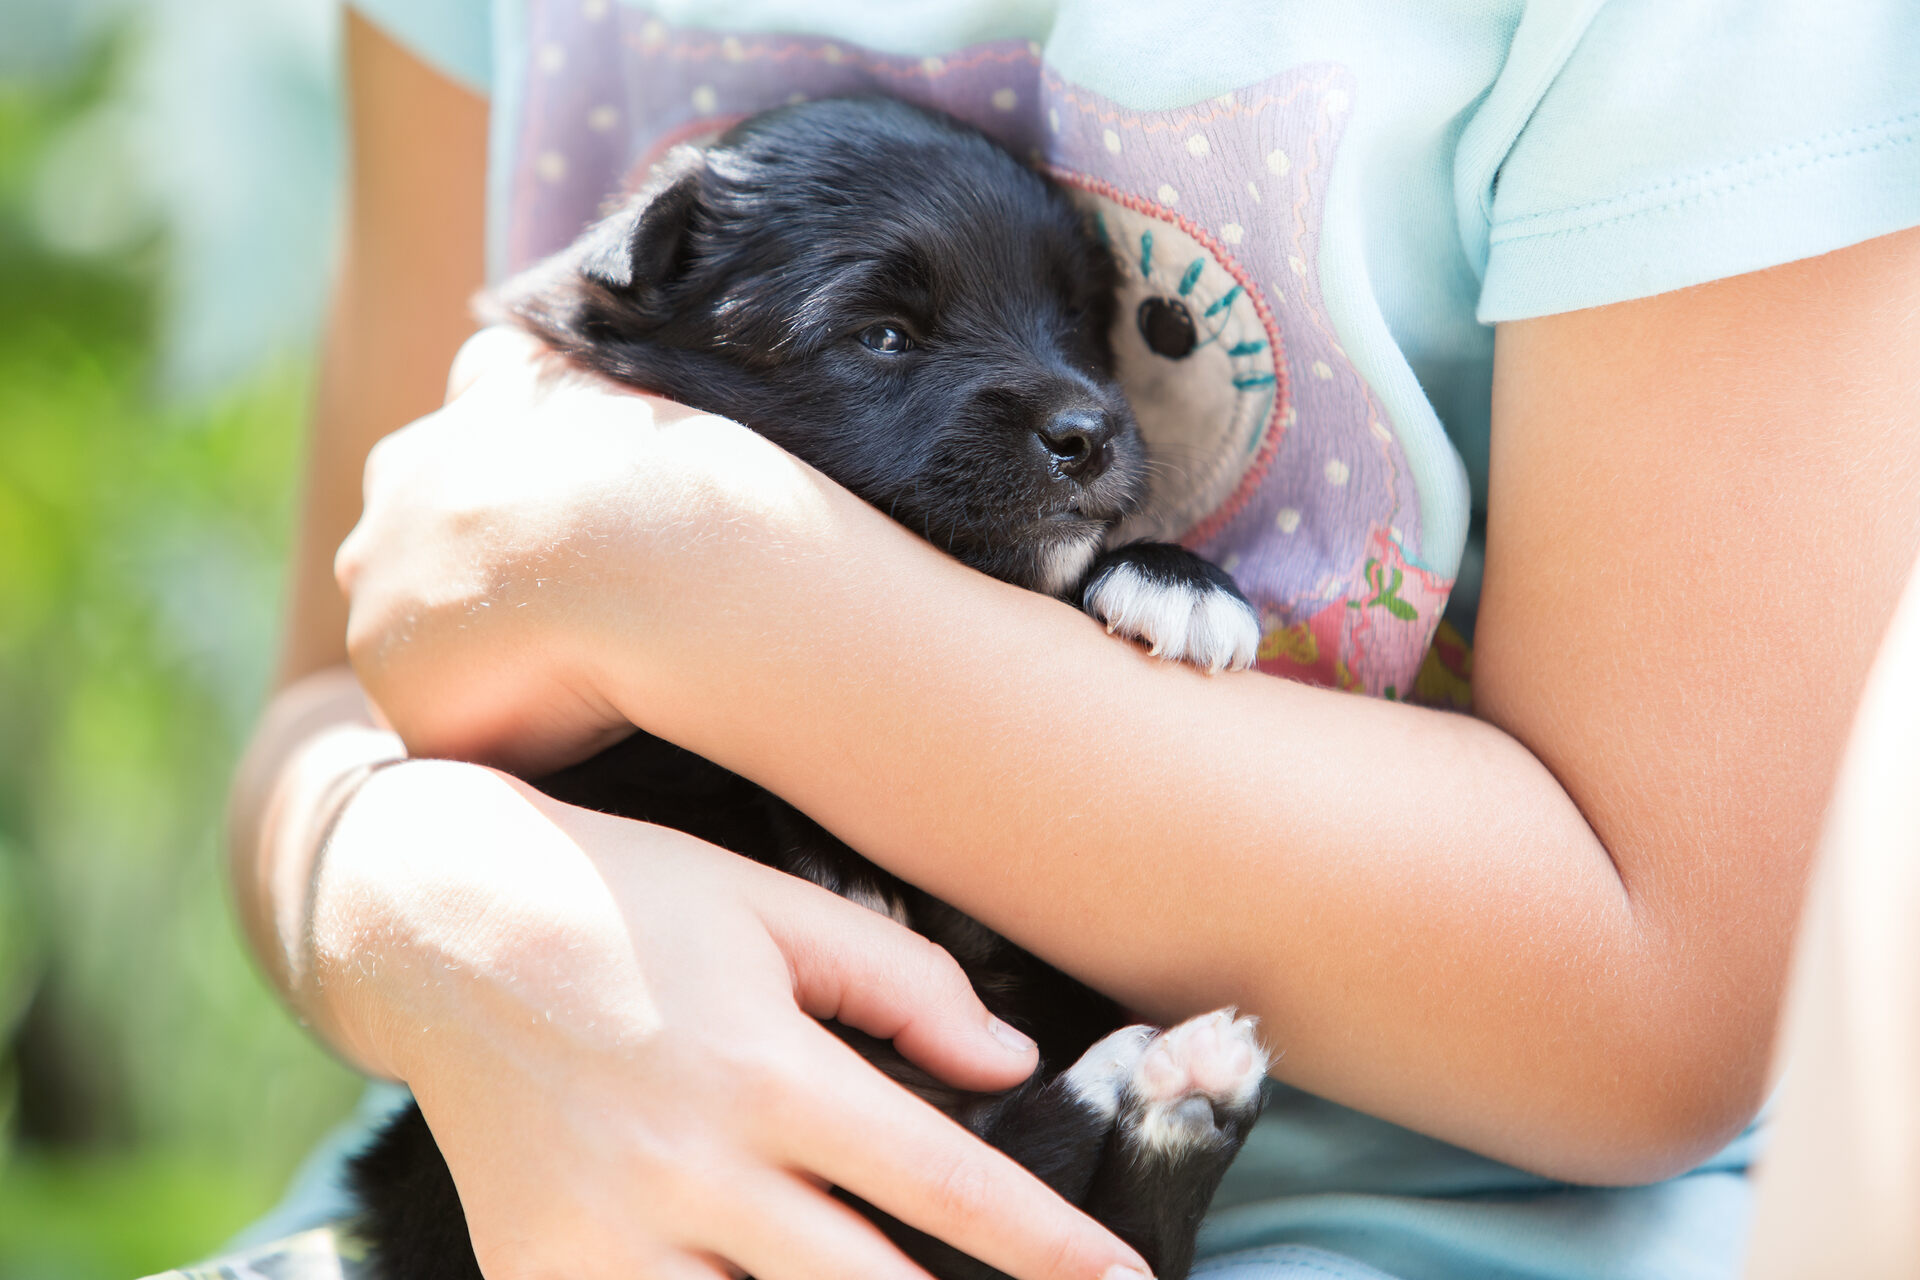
<point x="1343" y="197"/>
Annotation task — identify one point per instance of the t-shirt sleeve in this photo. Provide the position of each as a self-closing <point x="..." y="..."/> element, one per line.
<point x="1681" y="143"/>
<point x="455" y="37"/>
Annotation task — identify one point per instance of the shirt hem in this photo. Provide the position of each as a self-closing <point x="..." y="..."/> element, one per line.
<point x="1736" y="219"/>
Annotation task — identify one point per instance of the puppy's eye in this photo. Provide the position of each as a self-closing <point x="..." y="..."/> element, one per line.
<point x="887" y="339"/>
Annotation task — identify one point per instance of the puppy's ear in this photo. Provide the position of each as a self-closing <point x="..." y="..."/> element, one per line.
<point x="609" y="288"/>
<point x="638" y="246"/>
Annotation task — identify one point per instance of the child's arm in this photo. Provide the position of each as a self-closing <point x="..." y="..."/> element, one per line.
<point x="412" y="260"/>
<point x="1555" y="934"/>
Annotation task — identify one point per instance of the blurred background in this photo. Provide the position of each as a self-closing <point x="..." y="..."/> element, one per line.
<point x="168" y="193"/>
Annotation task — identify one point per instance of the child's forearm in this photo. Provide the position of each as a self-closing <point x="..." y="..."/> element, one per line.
<point x="1421" y="916"/>
<point x="313" y="746"/>
<point x="1557" y="934"/>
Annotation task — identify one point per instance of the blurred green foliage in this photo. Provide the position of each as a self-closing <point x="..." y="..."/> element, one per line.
<point x="153" y="1095"/>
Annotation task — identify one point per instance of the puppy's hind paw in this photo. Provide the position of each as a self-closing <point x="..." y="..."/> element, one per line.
<point x="1182" y="608"/>
<point x="1197" y="1086"/>
<point x="1100" y="1079"/>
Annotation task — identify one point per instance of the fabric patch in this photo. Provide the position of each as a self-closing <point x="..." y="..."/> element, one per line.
<point x="1272" y="455"/>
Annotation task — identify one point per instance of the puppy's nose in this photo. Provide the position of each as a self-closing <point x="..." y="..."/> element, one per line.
<point x="1077" y="441"/>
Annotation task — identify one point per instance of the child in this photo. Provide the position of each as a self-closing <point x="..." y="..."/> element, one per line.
<point x="1521" y="968"/>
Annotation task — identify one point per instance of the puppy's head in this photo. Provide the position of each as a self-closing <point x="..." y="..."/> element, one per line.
<point x="891" y="297"/>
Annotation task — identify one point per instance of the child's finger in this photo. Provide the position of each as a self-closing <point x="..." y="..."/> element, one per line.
<point x="780" y="1228"/>
<point x="864" y="1133"/>
<point x="857" y="966"/>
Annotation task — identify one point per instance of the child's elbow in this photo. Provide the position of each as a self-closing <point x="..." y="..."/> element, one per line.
<point x="1667" y="1141"/>
<point x="1668" y="1112"/>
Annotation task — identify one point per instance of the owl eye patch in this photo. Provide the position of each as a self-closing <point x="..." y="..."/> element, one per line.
<point x="1168" y="327"/>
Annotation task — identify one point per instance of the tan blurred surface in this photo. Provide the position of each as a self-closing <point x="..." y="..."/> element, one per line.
<point x="1840" y="1187"/>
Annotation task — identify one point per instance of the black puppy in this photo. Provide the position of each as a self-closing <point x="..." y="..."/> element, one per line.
<point x="894" y="299"/>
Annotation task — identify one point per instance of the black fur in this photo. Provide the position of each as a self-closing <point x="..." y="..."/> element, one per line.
<point x="894" y="299"/>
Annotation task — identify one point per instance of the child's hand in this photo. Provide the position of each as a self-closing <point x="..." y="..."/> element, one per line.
<point x="541" y="522"/>
<point x="607" y="1026"/>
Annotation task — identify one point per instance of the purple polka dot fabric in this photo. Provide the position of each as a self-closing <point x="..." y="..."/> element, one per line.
<point x="1274" y="457"/>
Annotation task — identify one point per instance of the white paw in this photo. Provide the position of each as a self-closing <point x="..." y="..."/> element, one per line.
<point x="1102" y="1073"/>
<point x="1183" y="622"/>
<point x="1195" y="1079"/>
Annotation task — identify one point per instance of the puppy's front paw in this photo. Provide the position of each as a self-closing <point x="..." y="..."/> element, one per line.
<point x="1196" y="1086"/>
<point x="1182" y="608"/>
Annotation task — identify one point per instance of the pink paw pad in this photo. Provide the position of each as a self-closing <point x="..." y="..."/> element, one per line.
<point x="1215" y="1054"/>
<point x="1192" y="1079"/>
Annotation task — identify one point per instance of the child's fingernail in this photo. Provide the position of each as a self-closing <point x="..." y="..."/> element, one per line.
<point x="1011" y="1038"/>
<point x="1121" y="1271"/>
